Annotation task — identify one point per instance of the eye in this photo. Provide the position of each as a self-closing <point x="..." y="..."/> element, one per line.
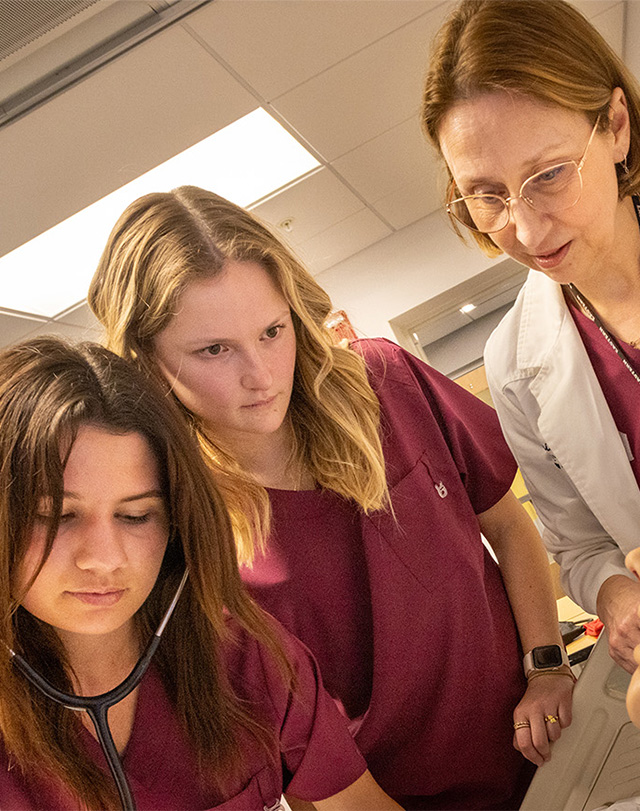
<point x="136" y="519"/>
<point x="213" y="349"/>
<point x="47" y="518"/>
<point x="552" y="175"/>
<point x="274" y="331"/>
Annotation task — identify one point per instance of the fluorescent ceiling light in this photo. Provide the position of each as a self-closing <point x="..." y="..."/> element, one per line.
<point x="247" y="160"/>
<point x="467" y="308"/>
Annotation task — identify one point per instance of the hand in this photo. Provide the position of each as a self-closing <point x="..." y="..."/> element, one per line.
<point x="618" y="604"/>
<point x="549" y="697"/>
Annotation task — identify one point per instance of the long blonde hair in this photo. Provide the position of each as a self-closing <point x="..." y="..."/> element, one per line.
<point x="158" y="246"/>
<point x="48" y="390"/>
<point x="545" y="49"/>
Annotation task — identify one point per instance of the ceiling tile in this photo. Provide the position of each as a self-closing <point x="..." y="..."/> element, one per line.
<point x="344" y="239"/>
<point x="411" y="203"/>
<point x="279" y="44"/>
<point x="343" y="107"/>
<point x="314" y="204"/>
<point x="72" y="333"/>
<point x="592" y="8"/>
<point x="15" y="327"/>
<point x="386" y="163"/>
<point x="136" y="112"/>
<point x="80" y="316"/>
<point x="610" y="24"/>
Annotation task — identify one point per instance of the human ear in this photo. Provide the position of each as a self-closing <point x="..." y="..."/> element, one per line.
<point x="619" y="125"/>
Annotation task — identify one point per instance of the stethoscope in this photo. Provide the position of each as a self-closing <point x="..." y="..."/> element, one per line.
<point x="97" y="707"/>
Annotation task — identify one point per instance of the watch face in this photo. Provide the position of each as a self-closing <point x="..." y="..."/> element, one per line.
<point x="547" y="656"/>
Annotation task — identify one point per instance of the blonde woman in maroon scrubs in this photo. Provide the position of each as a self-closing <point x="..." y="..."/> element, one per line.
<point x="359" y="482"/>
<point x="539" y="123"/>
<point x="104" y="502"/>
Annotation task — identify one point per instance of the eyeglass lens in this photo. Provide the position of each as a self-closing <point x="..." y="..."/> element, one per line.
<point x="553" y="189"/>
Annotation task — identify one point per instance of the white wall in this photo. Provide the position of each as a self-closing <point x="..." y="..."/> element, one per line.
<point x="408" y="267"/>
<point x="632" y="36"/>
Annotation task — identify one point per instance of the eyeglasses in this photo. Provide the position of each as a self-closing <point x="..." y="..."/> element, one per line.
<point x="553" y="189"/>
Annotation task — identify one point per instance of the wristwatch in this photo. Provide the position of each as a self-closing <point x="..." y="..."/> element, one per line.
<point x="545" y="659"/>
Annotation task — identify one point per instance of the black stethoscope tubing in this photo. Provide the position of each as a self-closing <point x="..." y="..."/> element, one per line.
<point x="97" y="707"/>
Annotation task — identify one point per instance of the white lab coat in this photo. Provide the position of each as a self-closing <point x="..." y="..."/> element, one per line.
<point x="559" y="427"/>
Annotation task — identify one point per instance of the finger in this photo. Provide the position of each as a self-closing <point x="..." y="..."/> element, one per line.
<point x="540" y="737"/>
<point x="554" y="730"/>
<point x="621" y="656"/>
<point x="523" y="743"/>
<point x="564" y="713"/>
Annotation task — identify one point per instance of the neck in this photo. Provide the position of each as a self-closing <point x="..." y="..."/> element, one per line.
<point x="614" y="291"/>
<point x="609" y="288"/>
<point x="100" y="662"/>
<point x="271" y="461"/>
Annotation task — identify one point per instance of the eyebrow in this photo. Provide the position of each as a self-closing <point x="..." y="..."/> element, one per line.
<point x="212" y="341"/>
<point x="137" y="497"/>
<point x="539" y="160"/>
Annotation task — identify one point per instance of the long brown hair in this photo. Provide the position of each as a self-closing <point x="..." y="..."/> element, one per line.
<point x="48" y="390"/>
<point x="164" y="241"/>
<point x="545" y="49"/>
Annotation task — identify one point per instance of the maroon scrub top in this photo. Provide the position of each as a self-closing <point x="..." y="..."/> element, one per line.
<point x="621" y="390"/>
<point x="407" y="612"/>
<point x="312" y="754"/>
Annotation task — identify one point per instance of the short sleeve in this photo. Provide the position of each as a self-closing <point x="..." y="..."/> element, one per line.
<point x="412" y="395"/>
<point x="319" y="757"/>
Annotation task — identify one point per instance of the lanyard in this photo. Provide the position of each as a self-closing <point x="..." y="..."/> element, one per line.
<point x="591" y="313"/>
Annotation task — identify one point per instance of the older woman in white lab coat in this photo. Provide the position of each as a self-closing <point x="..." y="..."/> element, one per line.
<point x="541" y="135"/>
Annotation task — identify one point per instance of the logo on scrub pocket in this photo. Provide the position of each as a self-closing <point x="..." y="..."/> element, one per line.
<point x="441" y="490"/>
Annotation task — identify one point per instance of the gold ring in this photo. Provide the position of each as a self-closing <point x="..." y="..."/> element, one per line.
<point x="551" y="719"/>
<point x="521" y="724"/>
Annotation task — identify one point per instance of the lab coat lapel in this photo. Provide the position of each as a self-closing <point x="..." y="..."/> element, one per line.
<point x="574" y="416"/>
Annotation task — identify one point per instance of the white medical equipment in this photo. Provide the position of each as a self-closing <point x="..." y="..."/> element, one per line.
<point x="597" y="759"/>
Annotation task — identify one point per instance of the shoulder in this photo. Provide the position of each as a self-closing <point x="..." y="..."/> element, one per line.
<point x="255" y="673"/>
<point x="526" y="338"/>
<point x="389" y="365"/>
<point x="500" y="352"/>
<point x="400" y="379"/>
<point x="379" y="354"/>
<point x="319" y="756"/>
<point x="16" y="792"/>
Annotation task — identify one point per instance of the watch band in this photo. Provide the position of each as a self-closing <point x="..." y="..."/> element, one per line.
<point x="545" y="659"/>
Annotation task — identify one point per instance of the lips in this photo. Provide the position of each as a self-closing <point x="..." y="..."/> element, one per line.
<point x="547" y="261"/>
<point x="100" y="598"/>
<point x="261" y="403"/>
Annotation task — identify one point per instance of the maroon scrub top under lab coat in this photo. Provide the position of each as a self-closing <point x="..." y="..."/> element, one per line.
<point x="312" y="756"/>
<point x="407" y="613"/>
<point x="618" y="385"/>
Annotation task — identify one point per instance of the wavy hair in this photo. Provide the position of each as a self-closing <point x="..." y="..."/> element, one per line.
<point x="545" y="49"/>
<point x="158" y="246"/>
<point x="48" y="390"/>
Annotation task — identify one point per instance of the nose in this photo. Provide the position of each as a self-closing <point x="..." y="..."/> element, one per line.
<point x="256" y="373"/>
<point x="531" y="226"/>
<point x="632" y="562"/>
<point x="100" y="547"/>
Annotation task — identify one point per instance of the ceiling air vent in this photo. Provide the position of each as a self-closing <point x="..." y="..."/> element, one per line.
<point x="48" y="45"/>
<point x="22" y="23"/>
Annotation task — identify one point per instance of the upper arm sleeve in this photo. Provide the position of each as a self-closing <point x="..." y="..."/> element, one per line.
<point x="586" y="554"/>
<point x="473" y="435"/>
<point x="319" y="756"/>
